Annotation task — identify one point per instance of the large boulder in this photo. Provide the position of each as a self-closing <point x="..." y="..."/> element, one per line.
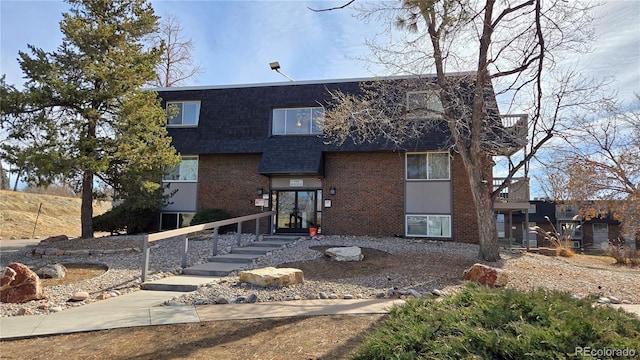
<point x="19" y="284"/>
<point x="345" y="253"/>
<point x="271" y="276"/>
<point x="486" y="275"/>
<point x="51" y="271"/>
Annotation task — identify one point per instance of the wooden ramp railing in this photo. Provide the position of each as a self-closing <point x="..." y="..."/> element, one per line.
<point x="185" y="232"/>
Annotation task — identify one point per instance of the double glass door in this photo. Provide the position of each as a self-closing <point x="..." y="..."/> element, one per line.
<point x="296" y="211"/>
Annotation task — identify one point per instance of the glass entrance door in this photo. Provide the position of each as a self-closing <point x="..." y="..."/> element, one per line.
<point x="296" y="210"/>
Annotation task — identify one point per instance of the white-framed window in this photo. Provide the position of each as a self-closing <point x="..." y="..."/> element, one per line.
<point x="175" y="220"/>
<point x="185" y="171"/>
<point x="188" y="113"/>
<point x="428" y="225"/>
<point x="600" y="228"/>
<point x="428" y="166"/>
<point x="297" y="121"/>
<point x="532" y="208"/>
<point x="424" y="104"/>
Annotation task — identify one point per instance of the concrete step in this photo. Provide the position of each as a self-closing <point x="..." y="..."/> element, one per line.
<point x="259" y="250"/>
<point x="212" y="269"/>
<point x="285" y="238"/>
<point x="269" y="243"/>
<point x="234" y="258"/>
<point x="182" y="283"/>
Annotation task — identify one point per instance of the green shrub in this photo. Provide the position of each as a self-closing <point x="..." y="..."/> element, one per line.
<point x="211" y="215"/>
<point x="481" y="323"/>
<point x="130" y="220"/>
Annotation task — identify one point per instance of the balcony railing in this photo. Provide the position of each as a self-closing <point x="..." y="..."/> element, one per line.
<point x="515" y="129"/>
<point x="516" y="191"/>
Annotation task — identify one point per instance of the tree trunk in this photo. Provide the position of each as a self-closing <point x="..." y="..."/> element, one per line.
<point x="86" y="209"/>
<point x="488" y="235"/>
<point x="481" y="189"/>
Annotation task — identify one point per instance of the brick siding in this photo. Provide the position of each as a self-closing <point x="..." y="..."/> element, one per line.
<point x="230" y="182"/>
<point x="369" y="197"/>
<point x="464" y="222"/>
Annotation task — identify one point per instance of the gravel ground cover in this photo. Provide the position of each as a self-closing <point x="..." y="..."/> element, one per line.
<point x="392" y="267"/>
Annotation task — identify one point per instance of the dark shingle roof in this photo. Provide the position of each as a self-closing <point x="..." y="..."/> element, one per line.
<point x="236" y="120"/>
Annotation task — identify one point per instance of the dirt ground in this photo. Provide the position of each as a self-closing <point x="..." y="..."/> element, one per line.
<point x="326" y="337"/>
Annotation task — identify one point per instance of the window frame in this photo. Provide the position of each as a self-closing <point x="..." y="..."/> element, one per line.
<point x="428" y="228"/>
<point x="183" y="102"/>
<point x="311" y="125"/>
<point x="182" y="158"/>
<point x="188" y="214"/>
<point x="428" y="154"/>
<point x="428" y="112"/>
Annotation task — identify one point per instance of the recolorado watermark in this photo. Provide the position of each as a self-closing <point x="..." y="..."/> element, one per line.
<point x="605" y="352"/>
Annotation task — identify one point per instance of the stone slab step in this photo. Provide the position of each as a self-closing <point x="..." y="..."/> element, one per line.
<point x="260" y="250"/>
<point x="234" y="258"/>
<point x="182" y="283"/>
<point x="212" y="269"/>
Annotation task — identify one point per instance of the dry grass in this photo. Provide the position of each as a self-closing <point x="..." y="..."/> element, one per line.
<point x="59" y="215"/>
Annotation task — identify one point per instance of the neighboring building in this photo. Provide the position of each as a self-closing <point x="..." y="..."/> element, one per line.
<point x="250" y="148"/>
<point x="585" y="234"/>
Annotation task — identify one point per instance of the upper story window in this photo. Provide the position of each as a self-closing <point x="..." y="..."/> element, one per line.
<point x="428" y="166"/>
<point x="297" y="121"/>
<point x="186" y="171"/>
<point x="424" y="104"/>
<point x="188" y="113"/>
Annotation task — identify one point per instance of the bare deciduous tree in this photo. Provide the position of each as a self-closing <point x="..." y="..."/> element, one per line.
<point x="512" y="47"/>
<point x="600" y="166"/>
<point x="177" y="65"/>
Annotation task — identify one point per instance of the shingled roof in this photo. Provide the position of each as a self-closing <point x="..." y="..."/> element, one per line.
<point x="237" y="120"/>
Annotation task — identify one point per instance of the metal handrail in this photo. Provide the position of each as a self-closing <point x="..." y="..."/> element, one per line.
<point x="184" y="232"/>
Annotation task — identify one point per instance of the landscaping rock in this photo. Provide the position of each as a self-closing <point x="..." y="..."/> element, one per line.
<point x="55" y="238"/>
<point x="79" y="296"/>
<point x="51" y="271"/>
<point x="346" y="253"/>
<point x="19" y="284"/>
<point x="271" y="276"/>
<point x="486" y="275"/>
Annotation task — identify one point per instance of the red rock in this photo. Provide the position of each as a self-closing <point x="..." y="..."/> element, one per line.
<point x="486" y="275"/>
<point x="19" y="284"/>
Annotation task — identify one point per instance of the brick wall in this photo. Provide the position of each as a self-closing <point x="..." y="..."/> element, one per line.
<point x="369" y="197"/>
<point x="230" y="182"/>
<point x="465" y="223"/>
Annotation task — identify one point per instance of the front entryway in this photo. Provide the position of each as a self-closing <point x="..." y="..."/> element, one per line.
<point x="296" y="211"/>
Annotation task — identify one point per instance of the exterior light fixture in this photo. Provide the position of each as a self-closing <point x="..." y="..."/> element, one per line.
<point x="276" y="67"/>
<point x="260" y="191"/>
<point x="332" y="190"/>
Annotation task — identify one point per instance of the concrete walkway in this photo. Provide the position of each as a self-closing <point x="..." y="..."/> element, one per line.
<point x="141" y="308"/>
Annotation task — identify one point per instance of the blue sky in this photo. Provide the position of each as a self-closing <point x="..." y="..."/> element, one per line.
<point x="236" y="40"/>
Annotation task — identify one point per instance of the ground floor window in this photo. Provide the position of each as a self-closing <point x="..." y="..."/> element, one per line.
<point x="600" y="228"/>
<point x="428" y="225"/>
<point x="170" y="221"/>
